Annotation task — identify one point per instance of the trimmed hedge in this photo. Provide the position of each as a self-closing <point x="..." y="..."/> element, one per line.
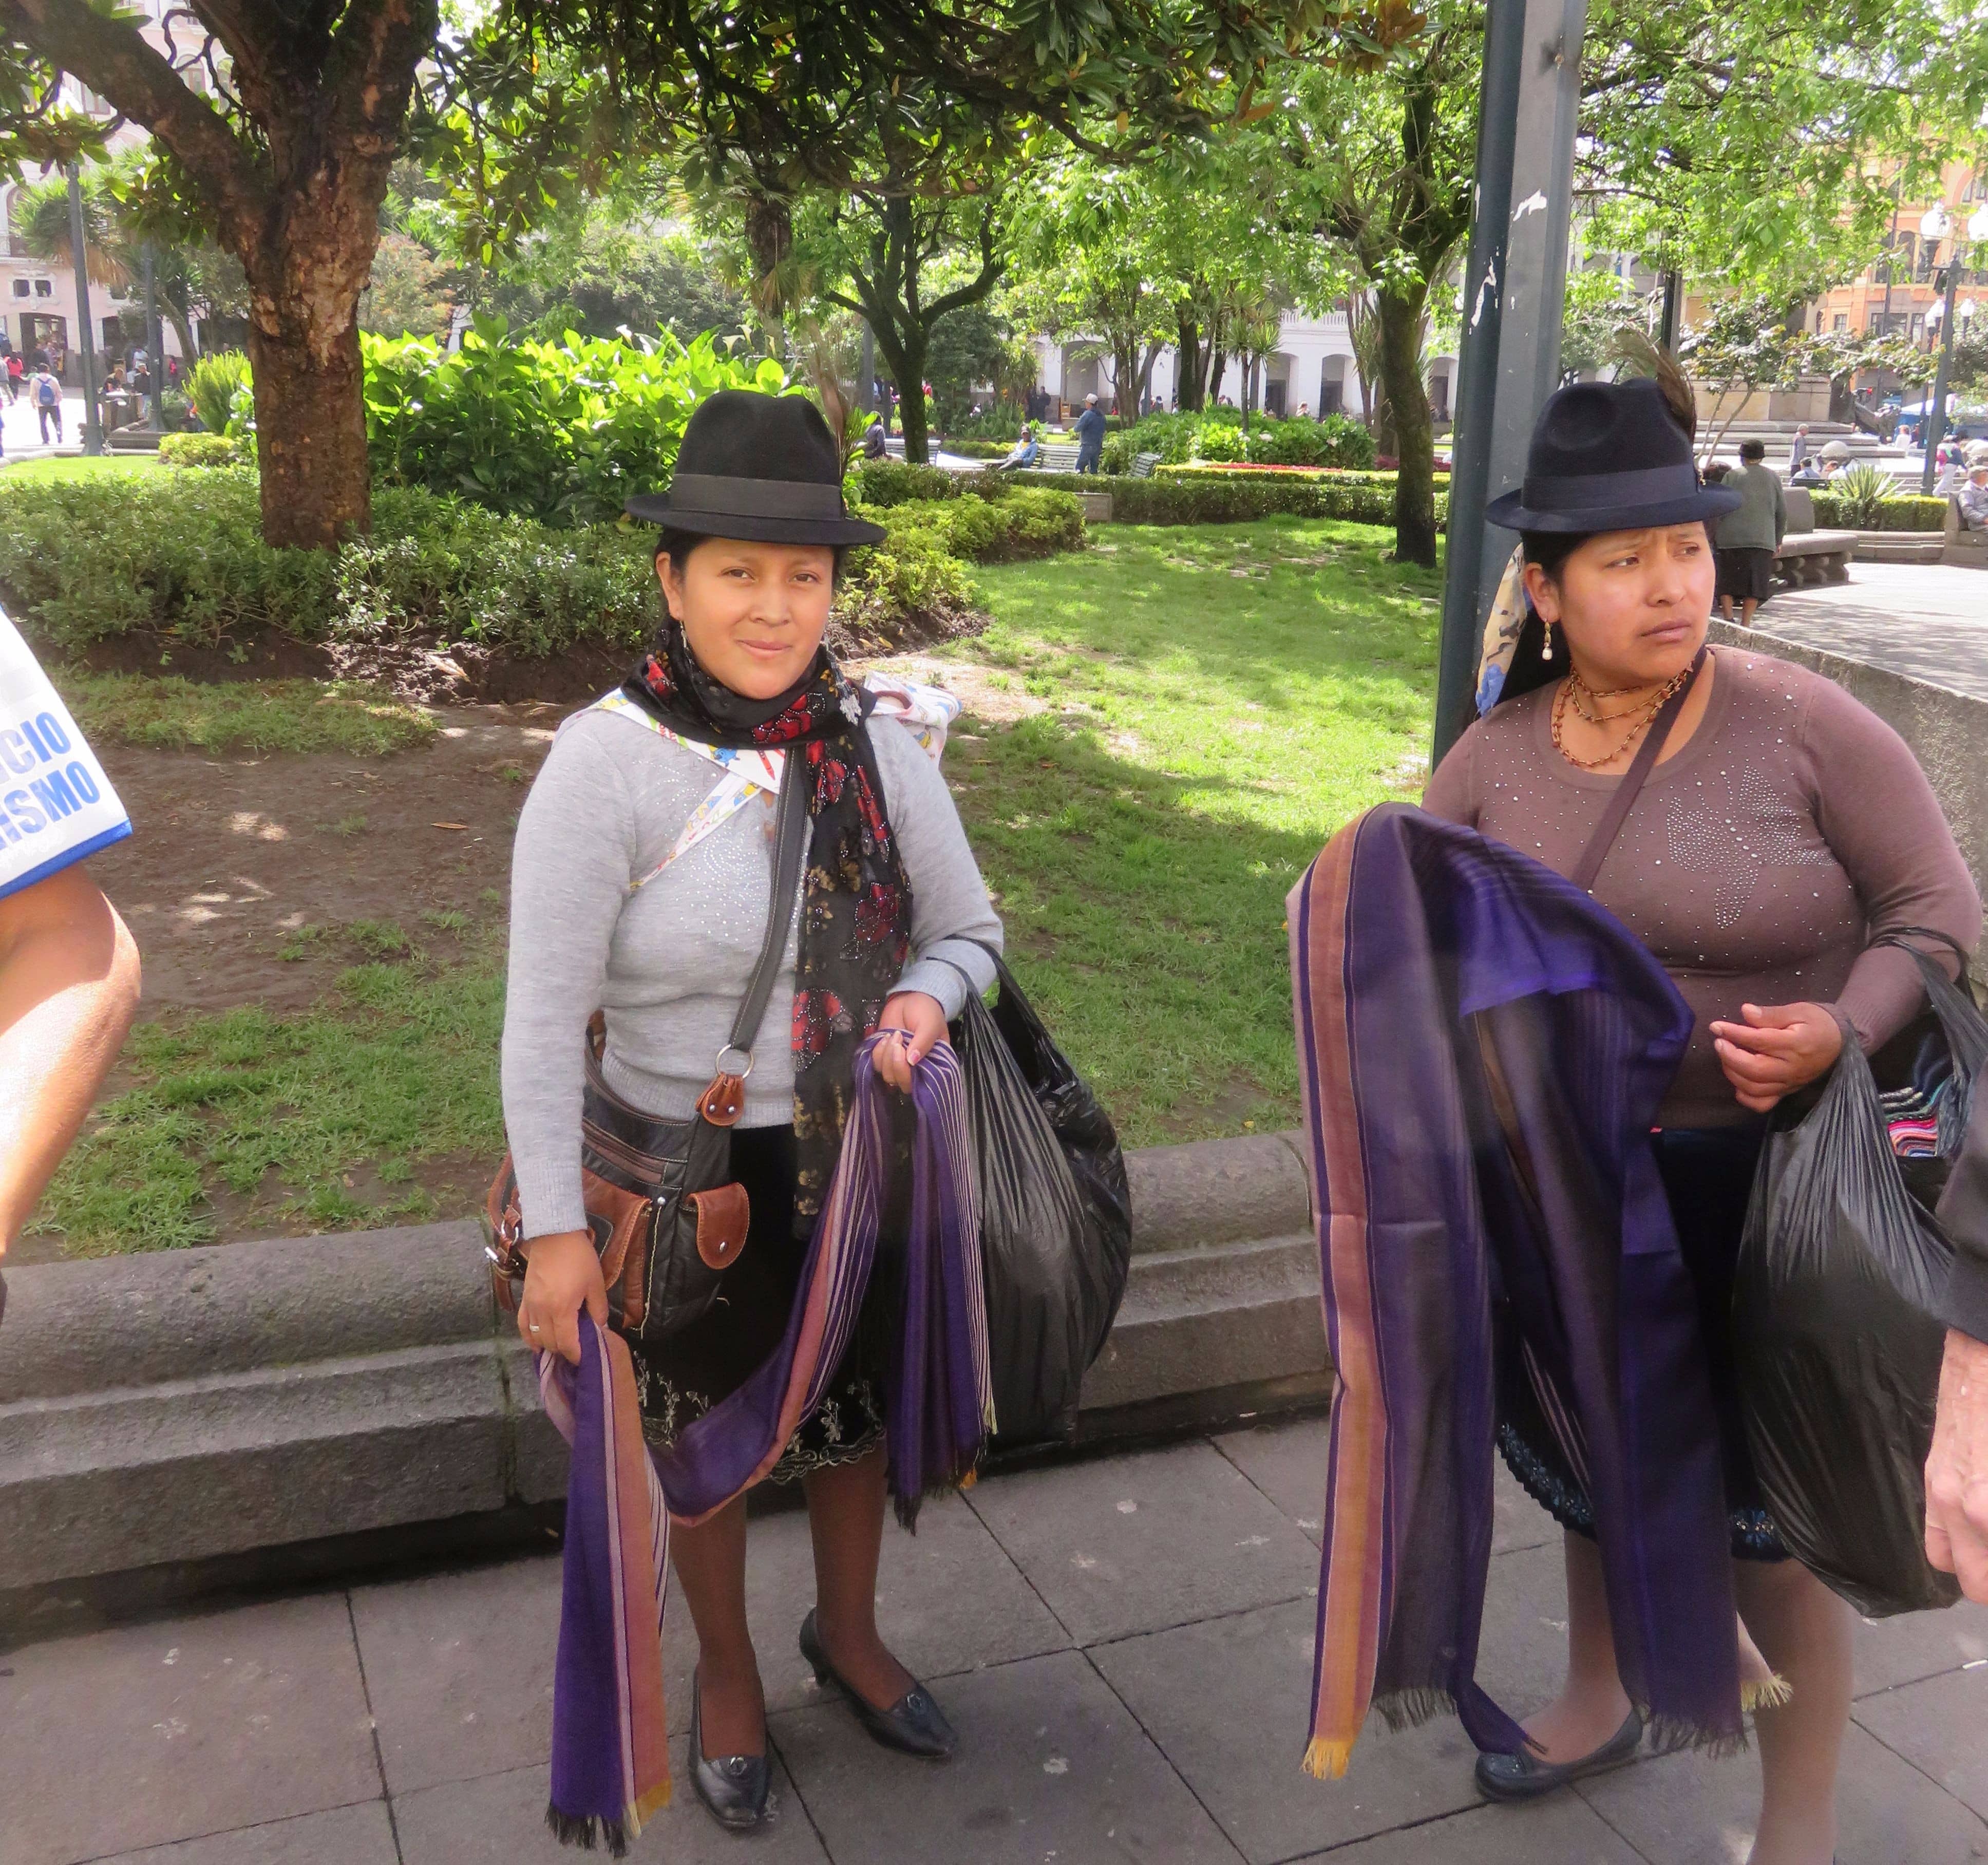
<point x="1913" y="513"/>
<point x="180" y="557"/>
<point x="1223" y="499"/>
<point x="202" y="450"/>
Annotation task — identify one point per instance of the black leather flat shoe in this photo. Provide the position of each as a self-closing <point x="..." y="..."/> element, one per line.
<point x="1525" y="1777"/>
<point x="735" y="1788"/>
<point x="913" y="1725"/>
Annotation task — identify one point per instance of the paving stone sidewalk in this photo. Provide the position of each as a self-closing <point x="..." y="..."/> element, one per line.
<point x="1929" y="621"/>
<point x="1125" y="1645"/>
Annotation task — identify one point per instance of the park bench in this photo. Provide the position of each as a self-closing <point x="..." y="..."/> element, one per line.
<point x="1806" y="556"/>
<point x="1143" y="465"/>
<point x="1961" y="546"/>
<point x="1057" y="458"/>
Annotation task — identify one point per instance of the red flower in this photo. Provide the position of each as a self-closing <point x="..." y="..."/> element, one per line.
<point x="819" y="1015"/>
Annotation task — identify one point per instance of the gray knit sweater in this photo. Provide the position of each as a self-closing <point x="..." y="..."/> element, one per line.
<point x="669" y="963"/>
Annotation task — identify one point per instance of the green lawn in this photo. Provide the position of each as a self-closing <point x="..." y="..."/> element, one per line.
<point x="1210" y="705"/>
<point x="75" y="467"/>
<point x="172" y="714"/>
<point x="1221" y="700"/>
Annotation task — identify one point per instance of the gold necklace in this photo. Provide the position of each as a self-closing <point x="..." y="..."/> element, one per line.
<point x="1580" y="695"/>
<point x="1648" y="710"/>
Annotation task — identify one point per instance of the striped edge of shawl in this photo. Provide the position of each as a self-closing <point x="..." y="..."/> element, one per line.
<point x="1352" y="1577"/>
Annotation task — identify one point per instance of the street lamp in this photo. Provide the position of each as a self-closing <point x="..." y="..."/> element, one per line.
<point x="1934" y="225"/>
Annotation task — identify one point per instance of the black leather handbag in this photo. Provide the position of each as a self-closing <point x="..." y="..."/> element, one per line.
<point x="666" y="1217"/>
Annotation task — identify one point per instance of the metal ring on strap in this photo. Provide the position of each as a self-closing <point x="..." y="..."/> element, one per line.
<point x="733" y="1049"/>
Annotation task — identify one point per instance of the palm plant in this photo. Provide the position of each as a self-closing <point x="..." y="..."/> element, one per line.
<point x="42" y="227"/>
<point x="1860" y="493"/>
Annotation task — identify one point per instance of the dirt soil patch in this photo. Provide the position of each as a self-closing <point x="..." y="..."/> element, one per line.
<point x="242" y="875"/>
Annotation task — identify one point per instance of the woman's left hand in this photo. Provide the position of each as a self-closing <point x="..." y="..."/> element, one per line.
<point x="1779" y="1048"/>
<point x="922" y="1020"/>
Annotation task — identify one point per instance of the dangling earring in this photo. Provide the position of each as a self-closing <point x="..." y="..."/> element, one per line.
<point x="1546" y="640"/>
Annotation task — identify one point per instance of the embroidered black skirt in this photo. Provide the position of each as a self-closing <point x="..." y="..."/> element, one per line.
<point x="680" y="1379"/>
<point x="1708" y="1175"/>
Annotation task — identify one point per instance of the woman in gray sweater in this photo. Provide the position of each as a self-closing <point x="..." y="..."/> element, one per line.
<point x="641" y="887"/>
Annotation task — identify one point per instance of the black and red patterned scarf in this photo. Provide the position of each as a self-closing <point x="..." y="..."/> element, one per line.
<point x="856" y="902"/>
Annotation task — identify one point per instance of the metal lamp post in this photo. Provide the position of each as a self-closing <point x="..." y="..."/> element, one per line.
<point x="1934" y="226"/>
<point x="93" y="430"/>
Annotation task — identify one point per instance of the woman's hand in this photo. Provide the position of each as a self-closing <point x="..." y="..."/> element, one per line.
<point x="1779" y="1048"/>
<point x="561" y="1276"/>
<point x="922" y="1021"/>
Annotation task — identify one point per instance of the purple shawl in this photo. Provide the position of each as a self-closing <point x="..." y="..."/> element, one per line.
<point x="1483" y="1050"/>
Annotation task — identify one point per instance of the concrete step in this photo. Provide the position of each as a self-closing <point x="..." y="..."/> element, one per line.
<point x="162" y="1413"/>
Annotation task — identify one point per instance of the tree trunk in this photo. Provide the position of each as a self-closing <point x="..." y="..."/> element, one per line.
<point x="1415" y="433"/>
<point x="1212" y="395"/>
<point x="769" y="234"/>
<point x="310" y="439"/>
<point x="183" y="330"/>
<point x="903" y="347"/>
<point x="1189" y="365"/>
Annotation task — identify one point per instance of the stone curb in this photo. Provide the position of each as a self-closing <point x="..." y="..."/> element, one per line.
<point x="190" y="1405"/>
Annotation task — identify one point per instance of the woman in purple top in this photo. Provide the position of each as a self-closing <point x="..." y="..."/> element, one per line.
<point x="1781" y="829"/>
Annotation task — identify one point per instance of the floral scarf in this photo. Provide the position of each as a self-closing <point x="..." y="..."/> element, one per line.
<point x="855" y="902"/>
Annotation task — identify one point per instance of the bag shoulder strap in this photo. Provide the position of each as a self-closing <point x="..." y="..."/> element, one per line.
<point x="790" y="836"/>
<point x="1623" y="799"/>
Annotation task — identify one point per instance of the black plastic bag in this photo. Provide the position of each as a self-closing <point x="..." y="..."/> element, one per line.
<point x="1056" y="1216"/>
<point x="1841" y="1272"/>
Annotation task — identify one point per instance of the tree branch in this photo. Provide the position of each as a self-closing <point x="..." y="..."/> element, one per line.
<point x="117" y="63"/>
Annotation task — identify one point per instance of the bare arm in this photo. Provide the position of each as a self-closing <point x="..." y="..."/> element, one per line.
<point x="69" y="989"/>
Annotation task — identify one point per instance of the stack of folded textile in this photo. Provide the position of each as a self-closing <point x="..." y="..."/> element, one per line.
<point x="1912" y="1118"/>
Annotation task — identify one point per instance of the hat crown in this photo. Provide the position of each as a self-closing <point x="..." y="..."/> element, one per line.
<point x="740" y="433"/>
<point x="1606" y="427"/>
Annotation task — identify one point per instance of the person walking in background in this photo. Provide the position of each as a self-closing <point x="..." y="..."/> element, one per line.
<point x="1798" y="448"/>
<point x="1747" y="539"/>
<point x="47" y="392"/>
<point x="1090" y="436"/>
<point x="17" y="374"/>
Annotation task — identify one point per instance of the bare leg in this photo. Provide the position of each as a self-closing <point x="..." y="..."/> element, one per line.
<point x="1746" y="617"/>
<point x="1592" y="1705"/>
<point x="846" y="1518"/>
<point x="1805" y="1630"/>
<point x="1725" y="607"/>
<point x="710" y="1561"/>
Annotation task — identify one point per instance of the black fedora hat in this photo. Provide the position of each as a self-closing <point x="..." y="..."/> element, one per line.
<point x="763" y="467"/>
<point x="1608" y="456"/>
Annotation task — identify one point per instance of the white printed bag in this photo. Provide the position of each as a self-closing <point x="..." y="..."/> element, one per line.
<point x="56" y="805"/>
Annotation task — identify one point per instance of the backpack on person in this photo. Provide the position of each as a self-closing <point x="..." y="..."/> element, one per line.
<point x="46" y="394"/>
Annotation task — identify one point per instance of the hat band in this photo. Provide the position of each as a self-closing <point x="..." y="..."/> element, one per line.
<point x="715" y="495"/>
<point x="1607" y="491"/>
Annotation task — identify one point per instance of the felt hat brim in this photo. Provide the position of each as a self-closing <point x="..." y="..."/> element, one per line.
<point x="1511" y="511"/>
<point x="654" y="508"/>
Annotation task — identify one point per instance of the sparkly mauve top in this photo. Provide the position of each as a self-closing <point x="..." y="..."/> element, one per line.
<point x="1757" y="863"/>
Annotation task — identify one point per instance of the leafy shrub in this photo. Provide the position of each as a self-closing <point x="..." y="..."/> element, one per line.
<point x="894" y="482"/>
<point x="1903" y="512"/>
<point x="1025" y="522"/>
<point x="212" y="384"/>
<point x="970" y="449"/>
<point x="179" y="557"/>
<point x="200" y="450"/>
<point x="1333" y="442"/>
<point x="560" y="432"/>
<point x="1219" y="440"/>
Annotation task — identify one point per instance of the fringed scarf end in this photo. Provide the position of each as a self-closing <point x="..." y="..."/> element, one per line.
<point x="587" y="1832"/>
<point x="1325" y="1760"/>
<point x="1772" y="1692"/>
<point x="1409" y="1709"/>
<point x="1668" y="1734"/>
